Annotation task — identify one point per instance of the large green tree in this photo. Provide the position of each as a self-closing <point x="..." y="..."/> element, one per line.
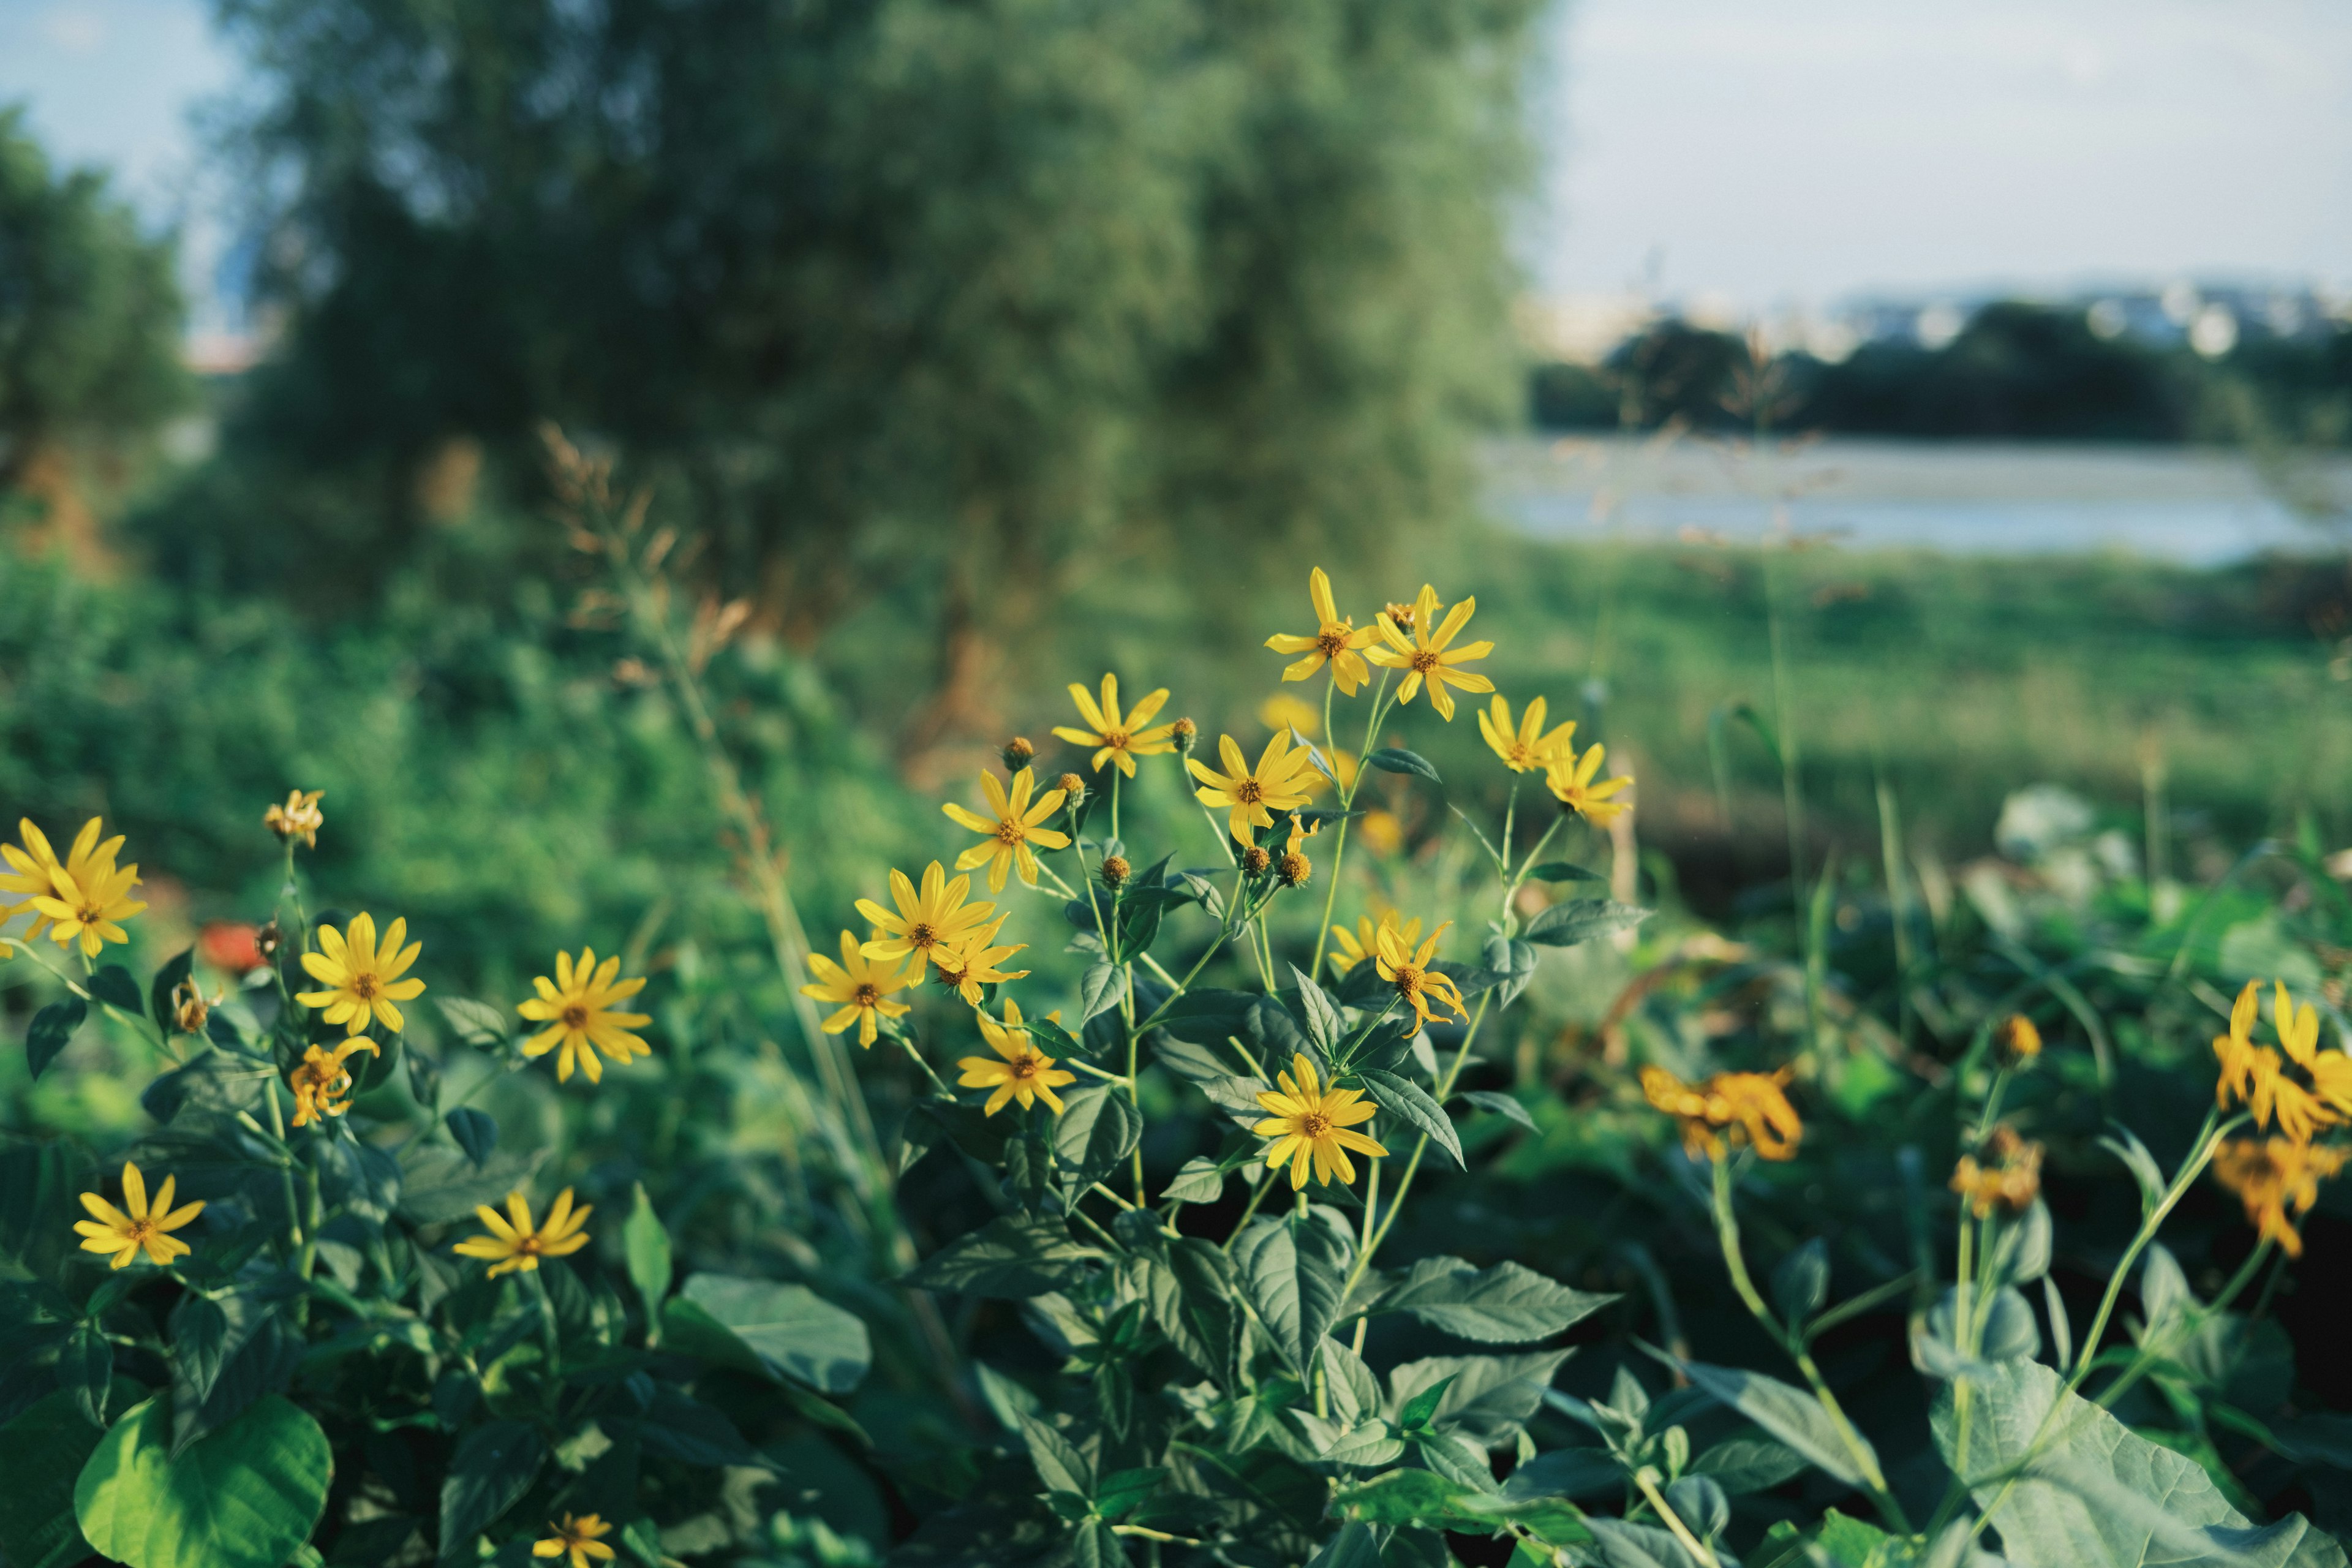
<point x="940" y="289"/>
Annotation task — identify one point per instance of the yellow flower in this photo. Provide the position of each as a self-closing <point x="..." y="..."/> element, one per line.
<point x="1252" y="796"/>
<point x="577" y="1008"/>
<point x="1350" y="948"/>
<point x="1309" y="1126"/>
<point x="2254" y="1075"/>
<point x="1014" y="829"/>
<point x="514" y="1242"/>
<point x="1116" y="739"/>
<point x="928" y="922"/>
<point x="1284" y="711"/>
<point x="2009" y="1175"/>
<point x="1408" y="969"/>
<point x="1569" y="779"/>
<point x="1293" y="869"/>
<point x="319" y="1080"/>
<point x="1527" y="748"/>
<point x="138" y="1226"/>
<point x="2018" y="1039"/>
<point x="1753" y="1106"/>
<point x="1019" y="1071"/>
<point x="860" y="988"/>
<point x="300" y="817"/>
<point x="2271" y="1175"/>
<point x="972" y="963"/>
<point x="580" y="1537"/>
<point x="363" y="979"/>
<point x="90" y="907"/>
<point x="1424" y="655"/>
<point x="1335" y="643"/>
<point x="34" y="868"/>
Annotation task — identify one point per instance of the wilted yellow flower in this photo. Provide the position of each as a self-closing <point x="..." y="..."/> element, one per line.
<point x="321" y="1081"/>
<point x="1351" y="948"/>
<point x="1408" y="969"/>
<point x="2254" y="1075"/>
<point x="2008" y="1176"/>
<point x="973" y="963"/>
<point x="1752" y="1107"/>
<point x="577" y="1008"/>
<point x="1293" y="869"/>
<point x="1014" y="829"/>
<point x="1284" y="711"/>
<point x="1335" y="642"/>
<point x="138" y="1226"/>
<point x="1527" y="748"/>
<point x="190" y="1008"/>
<point x="928" y="921"/>
<point x="1117" y="738"/>
<point x="1425" y="654"/>
<point x="1569" y="779"/>
<point x="34" y="871"/>
<point x="1250" y="796"/>
<point x="1019" y="1070"/>
<point x="513" y="1242"/>
<point x="1309" y="1126"/>
<point x="363" y="979"/>
<point x="2272" y="1176"/>
<point x="580" y="1537"/>
<point x="300" y="817"/>
<point x="860" y="988"/>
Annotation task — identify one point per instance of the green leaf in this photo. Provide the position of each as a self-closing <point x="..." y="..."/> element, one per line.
<point x="1060" y="1465"/>
<point x="476" y="1133"/>
<point x="245" y="1497"/>
<point x="1397" y="760"/>
<point x="1790" y="1414"/>
<point x="1503" y="1305"/>
<point x="1561" y="871"/>
<point x="1582" y="919"/>
<point x="114" y="986"/>
<point x="1491" y="1396"/>
<point x="493" y="1467"/>
<point x="52" y="1029"/>
<point x="1122" y="1492"/>
<point x="439" y="1185"/>
<point x="1353" y="1390"/>
<point x="1198" y="1180"/>
<point x="1099" y="990"/>
<point x="1401" y="1496"/>
<point x="1353" y="1547"/>
<point x="86" y="1368"/>
<point x="1801" y="1283"/>
<point x="1424" y="1404"/>
<point x="1410" y="1100"/>
<point x="41" y="1452"/>
<point x="1014" y="1256"/>
<point x="1098" y="1127"/>
<point x="1095" y="1545"/>
<point x="1569" y="1473"/>
<point x="1749" y="1465"/>
<point x="2099" y="1495"/>
<point x="1292" y="1271"/>
<point x="1323" y="1024"/>
<point x="167" y="980"/>
<point x="645" y="1245"/>
<point x="1503" y="1105"/>
<point x="789" y="1332"/>
<point x="226" y="1354"/>
<point x="475" y="1024"/>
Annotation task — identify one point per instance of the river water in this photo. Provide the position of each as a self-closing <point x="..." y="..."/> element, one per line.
<point x="2191" y="506"/>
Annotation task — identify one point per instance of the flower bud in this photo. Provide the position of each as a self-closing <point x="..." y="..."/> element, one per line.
<point x="1254" y="860"/>
<point x="1116" y="871"/>
<point x="1074" y="786"/>
<point x="266" y="940"/>
<point x="1018" y="753"/>
<point x="189" y="1008"/>
<point x="1402" y="614"/>
<point x="1186" y="734"/>
<point x="2018" y="1039"/>
<point x="1293" y="869"/>
<point x="300" y="817"/>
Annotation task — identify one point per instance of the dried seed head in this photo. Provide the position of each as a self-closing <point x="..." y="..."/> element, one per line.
<point x="1018" y="753"/>
<point x="1293" y="869"/>
<point x="1186" y="734"/>
<point x="189" y="1008"/>
<point x="1075" y="788"/>
<point x="1116" y="871"/>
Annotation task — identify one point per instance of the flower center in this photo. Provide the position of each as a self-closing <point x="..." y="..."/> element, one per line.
<point x="1314" y="1125"/>
<point x="922" y="935"/>
<point x="1116" y="740"/>
<point x="1249" y="792"/>
<point x="1425" y="661"/>
<point x="526" y="1245"/>
<point x="1332" y="641"/>
<point x="1025" y="1067"/>
<point x="575" y="1017"/>
<point x="364" y="985"/>
<point x="867" y="994"/>
<point x="1408" y="980"/>
<point x="1009" y="831"/>
<point x="91" y="914"/>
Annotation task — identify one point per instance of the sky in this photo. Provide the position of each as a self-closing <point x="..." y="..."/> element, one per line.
<point x="1761" y="153"/>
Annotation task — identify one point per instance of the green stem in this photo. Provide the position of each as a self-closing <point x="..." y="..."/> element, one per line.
<point x="1264" y="1186"/>
<point x="1421" y="1147"/>
<point x="1646" y="1479"/>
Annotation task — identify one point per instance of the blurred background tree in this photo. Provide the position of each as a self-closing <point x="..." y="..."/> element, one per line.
<point x="90" y="329"/>
<point x="900" y="299"/>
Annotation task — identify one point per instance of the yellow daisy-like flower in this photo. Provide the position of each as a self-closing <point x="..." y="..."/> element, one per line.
<point x="1118" y="739"/>
<point x="2270" y="1176"/>
<point x="1351" y="948"/>
<point x="321" y="1081"/>
<point x="1750" y="1107"/>
<point x="1527" y="748"/>
<point x="32" y="867"/>
<point x="577" y="1008"/>
<point x="1408" y="969"/>
<point x="580" y="1537"/>
<point x="90" y="909"/>
<point x="1309" y="1126"/>
<point x="973" y="963"/>
<point x="1251" y="796"/>
<point x="860" y="988"/>
<point x="1426" y="654"/>
<point x="1569" y="779"/>
<point x="1015" y="828"/>
<point x="513" y="1242"/>
<point x="1019" y="1070"/>
<point x="362" y="978"/>
<point x="300" y="817"/>
<point x="2254" y="1075"/>
<point x="139" y="1225"/>
<point x="928" y="922"/>
<point x="2009" y="1176"/>
<point x="1335" y="642"/>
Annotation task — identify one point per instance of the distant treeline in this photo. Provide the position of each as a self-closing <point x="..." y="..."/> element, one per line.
<point x="2016" y="370"/>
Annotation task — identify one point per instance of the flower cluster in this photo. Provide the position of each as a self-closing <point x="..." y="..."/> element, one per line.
<point x="2295" y="1088"/>
<point x="82" y="900"/>
<point x="1727" y="1110"/>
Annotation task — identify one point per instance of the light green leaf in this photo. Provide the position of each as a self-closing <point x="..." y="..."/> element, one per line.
<point x="1292" y="1271"/>
<point x="1099" y="990"/>
<point x="41" y="1453"/>
<point x="1582" y="919"/>
<point x="645" y="1245"/>
<point x="1503" y="1305"/>
<point x="791" y="1332"/>
<point x="1410" y="1100"/>
<point x="1490" y="1397"/>
<point x="475" y="1024"/>
<point x="245" y="1497"/>
<point x="1788" y="1412"/>
<point x="1749" y="1465"/>
<point x="1198" y="1180"/>
<point x="1060" y="1464"/>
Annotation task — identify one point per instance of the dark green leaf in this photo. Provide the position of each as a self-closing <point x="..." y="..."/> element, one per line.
<point x="1323" y="1025"/>
<point x="1503" y="1305"/>
<point x="493" y="1467"/>
<point x="1122" y="1492"/>
<point x="41" y="1453"/>
<point x="86" y="1368"/>
<point x="1801" y="1283"/>
<point x="1491" y="1396"/>
<point x="226" y="1354"/>
<point x="790" y="1330"/>
<point x="1749" y="1465"/>
<point x="1416" y="1411"/>
<point x="1095" y="1545"/>
<point x="1500" y="1104"/>
<point x="1569" y="1473"/>
<point x="1561" y="871"/>
<point x="1012" y="1256"/>
<point x="1790" y="1414"/>
<point x="1582" y="919"/>
<point x="52" y="1029"/>
<point x="246" y="1497"/>
<point x="1401" y="1496"/>
<point x="114" y="986"/>
<point x="440" y="1185"/>
<point x="1292" y="1271"/>
<point x="1052" y="1040"/>
<point x="1410" y="1100"/>
<point x="476" y="1133"/>
<point x="1397" y="760"/>
<point x="646" y="1246"/>
<point x="1353" y="1547"/>
<point x="159" y="990"/>
<point x="1097" y="1129"/>
<point x="678" y="1426"/>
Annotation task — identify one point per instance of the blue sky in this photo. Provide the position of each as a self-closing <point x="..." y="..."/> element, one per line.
<point x="1763" y="151"/>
